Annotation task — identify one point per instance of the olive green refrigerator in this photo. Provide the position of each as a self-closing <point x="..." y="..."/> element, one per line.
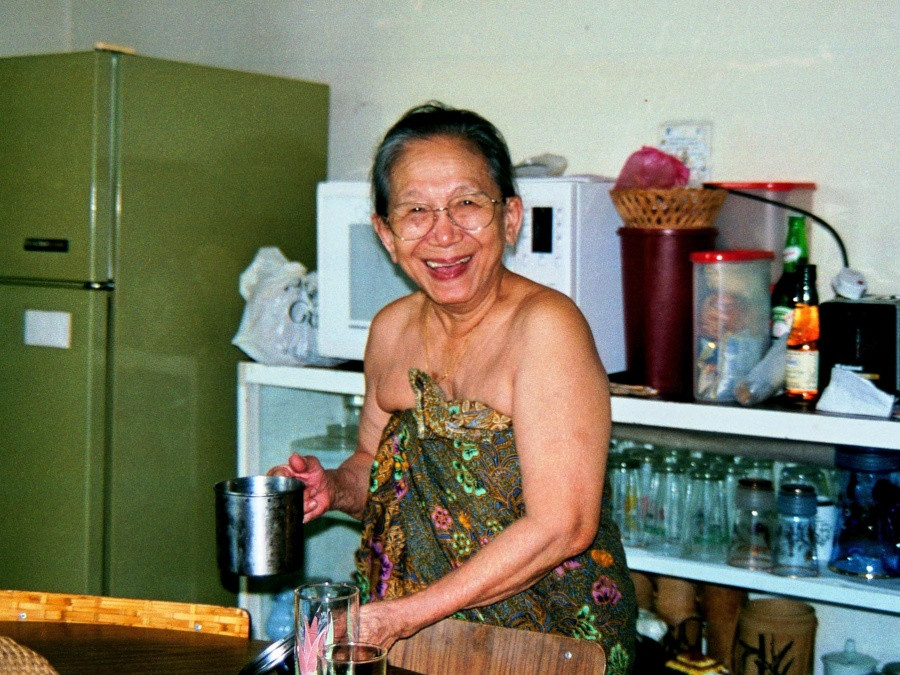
<point x="133" y="193"/>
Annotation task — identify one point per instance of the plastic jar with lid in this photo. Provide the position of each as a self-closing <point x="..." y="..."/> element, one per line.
<point x="730" y="319"/>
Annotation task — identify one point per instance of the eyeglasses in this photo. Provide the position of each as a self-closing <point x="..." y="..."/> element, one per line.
<point x="472" y="212"/>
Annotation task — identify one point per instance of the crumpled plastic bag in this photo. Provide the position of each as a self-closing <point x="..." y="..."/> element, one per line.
<point x="280" y="322"/>
<point x="650" y="168"/>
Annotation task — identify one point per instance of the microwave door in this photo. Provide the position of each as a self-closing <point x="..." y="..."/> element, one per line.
<point x="374" y="279"/>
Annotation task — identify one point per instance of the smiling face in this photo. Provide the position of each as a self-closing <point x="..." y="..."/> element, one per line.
<point x="452" y="266"/>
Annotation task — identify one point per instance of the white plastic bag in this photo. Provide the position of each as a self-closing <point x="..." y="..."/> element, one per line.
<point x="281" y="317"/>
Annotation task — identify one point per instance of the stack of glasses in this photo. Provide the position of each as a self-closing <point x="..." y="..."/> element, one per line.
<point x="721" y="508"/>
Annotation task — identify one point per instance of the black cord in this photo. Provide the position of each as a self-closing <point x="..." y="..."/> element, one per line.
<point x="796" y="209"/>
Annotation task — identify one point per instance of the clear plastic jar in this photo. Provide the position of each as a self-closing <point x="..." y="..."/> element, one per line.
<point x="731" y="319"/>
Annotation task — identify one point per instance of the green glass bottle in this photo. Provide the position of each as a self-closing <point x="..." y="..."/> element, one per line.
<point x="784" y="293"/>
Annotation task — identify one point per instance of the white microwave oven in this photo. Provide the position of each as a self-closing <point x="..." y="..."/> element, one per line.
<point x="568" y="242"/>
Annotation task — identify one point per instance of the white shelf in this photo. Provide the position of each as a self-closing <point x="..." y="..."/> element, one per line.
<point x="878" y="595"/>
<point x="316" y="379"/>
<point x="881" y="595"/>
<point x="759" y="422"/>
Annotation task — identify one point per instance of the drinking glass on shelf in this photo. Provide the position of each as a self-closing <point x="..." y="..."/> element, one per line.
<point x="795" y="549"/>
<point x="804" y="474"/>
<point x="625" y="483"/>
<point x="755" y="467"/>
<point x="353" y="658"/>
<point x="324" y="613"/>
<point x="734" y="471"/>
<point x="665" y="507"/>
<point x="705" y="534"/>
<point x="753" y="526"/>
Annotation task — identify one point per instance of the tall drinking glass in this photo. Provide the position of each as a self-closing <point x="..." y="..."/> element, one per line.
<point x="324" y="614"/>
<point x="705" y="526"/>
<point x="753" y="526"/>
<point x="665" y="508"/>
<point x="625" y="480"/>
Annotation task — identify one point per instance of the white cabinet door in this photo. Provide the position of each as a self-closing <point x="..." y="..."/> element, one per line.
<point x="304" y="410"/>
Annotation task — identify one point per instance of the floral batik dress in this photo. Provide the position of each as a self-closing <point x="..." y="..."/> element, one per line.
<point x="445" y="482"/>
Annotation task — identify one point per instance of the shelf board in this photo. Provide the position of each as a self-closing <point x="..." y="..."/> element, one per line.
<point x="292" y="377"/>
<point x="760" y="422"/>
<point x="791" y="425"/>
<point x="882" y="595"/>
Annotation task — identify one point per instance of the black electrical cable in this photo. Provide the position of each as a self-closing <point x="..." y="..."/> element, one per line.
<point x="796" y="209"/>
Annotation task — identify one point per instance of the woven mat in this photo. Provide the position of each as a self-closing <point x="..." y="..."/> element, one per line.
<point x="16" y="658"/>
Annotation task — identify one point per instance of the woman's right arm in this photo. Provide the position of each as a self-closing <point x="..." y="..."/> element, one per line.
<point x="345" y="488"/>
<point x="342" y="489"/>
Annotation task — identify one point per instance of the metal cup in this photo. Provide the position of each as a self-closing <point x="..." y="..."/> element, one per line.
<point x="259" y="525"/>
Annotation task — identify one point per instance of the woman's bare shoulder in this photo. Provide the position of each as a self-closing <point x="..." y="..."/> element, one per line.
<point x="541" y="308"/>
<point x="390" y="322"/>
<point x="391" y="349"/>
<point x="547" y="327"/>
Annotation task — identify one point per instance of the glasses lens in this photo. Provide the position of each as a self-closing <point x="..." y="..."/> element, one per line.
<point x="411" y="221"/>
<point x="470" y="212"/>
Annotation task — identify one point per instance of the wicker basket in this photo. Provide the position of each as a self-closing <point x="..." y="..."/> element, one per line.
<point x="669" y="209"/>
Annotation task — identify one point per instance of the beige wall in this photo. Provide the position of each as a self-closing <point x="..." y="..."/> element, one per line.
<point x="796" y="90"/>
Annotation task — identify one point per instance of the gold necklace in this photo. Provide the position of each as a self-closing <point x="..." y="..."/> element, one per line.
<point x="462" y="347"/>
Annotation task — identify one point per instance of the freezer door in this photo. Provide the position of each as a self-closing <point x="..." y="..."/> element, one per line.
<point x="52" y="373"/>
<point x="57" y="166"/>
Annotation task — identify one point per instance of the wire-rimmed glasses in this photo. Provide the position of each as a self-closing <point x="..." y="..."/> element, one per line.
<point x="470" y="212"/>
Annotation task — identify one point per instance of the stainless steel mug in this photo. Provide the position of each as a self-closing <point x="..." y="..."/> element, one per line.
<point x="259" y="525"/>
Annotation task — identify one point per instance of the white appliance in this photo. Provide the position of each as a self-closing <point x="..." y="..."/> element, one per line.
<point x="568" y="242"/>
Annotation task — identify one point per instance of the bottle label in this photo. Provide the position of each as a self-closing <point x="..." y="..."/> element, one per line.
<point x="792" y="254"/>
<point x="782" y="320"/>
<point x="802" y="371"/>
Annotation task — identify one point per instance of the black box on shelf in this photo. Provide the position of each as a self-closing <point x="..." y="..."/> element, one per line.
<point x="862" y="336"/>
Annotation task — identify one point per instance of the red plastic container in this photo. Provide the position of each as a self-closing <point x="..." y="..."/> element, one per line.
<point x="657" y="280"/>
<point x="745" y="223"/>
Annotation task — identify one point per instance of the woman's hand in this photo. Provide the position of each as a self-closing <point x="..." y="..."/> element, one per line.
<point x="384" y="622"/>
<point x="319" y="490"/>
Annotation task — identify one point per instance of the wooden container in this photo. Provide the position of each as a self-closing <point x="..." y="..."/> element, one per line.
<point x="775" y="637"/>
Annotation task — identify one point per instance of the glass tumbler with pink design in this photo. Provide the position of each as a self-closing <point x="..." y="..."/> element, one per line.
<point x="324" y="613"/>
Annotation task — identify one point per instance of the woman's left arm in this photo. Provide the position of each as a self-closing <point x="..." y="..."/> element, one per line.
<point x="561" y="412"/>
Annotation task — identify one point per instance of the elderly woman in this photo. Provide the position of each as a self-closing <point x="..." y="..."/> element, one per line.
<point x="483" y="439"/>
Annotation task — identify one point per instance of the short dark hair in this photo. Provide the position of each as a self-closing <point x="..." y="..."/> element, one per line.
<point x="436" y="119"/>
